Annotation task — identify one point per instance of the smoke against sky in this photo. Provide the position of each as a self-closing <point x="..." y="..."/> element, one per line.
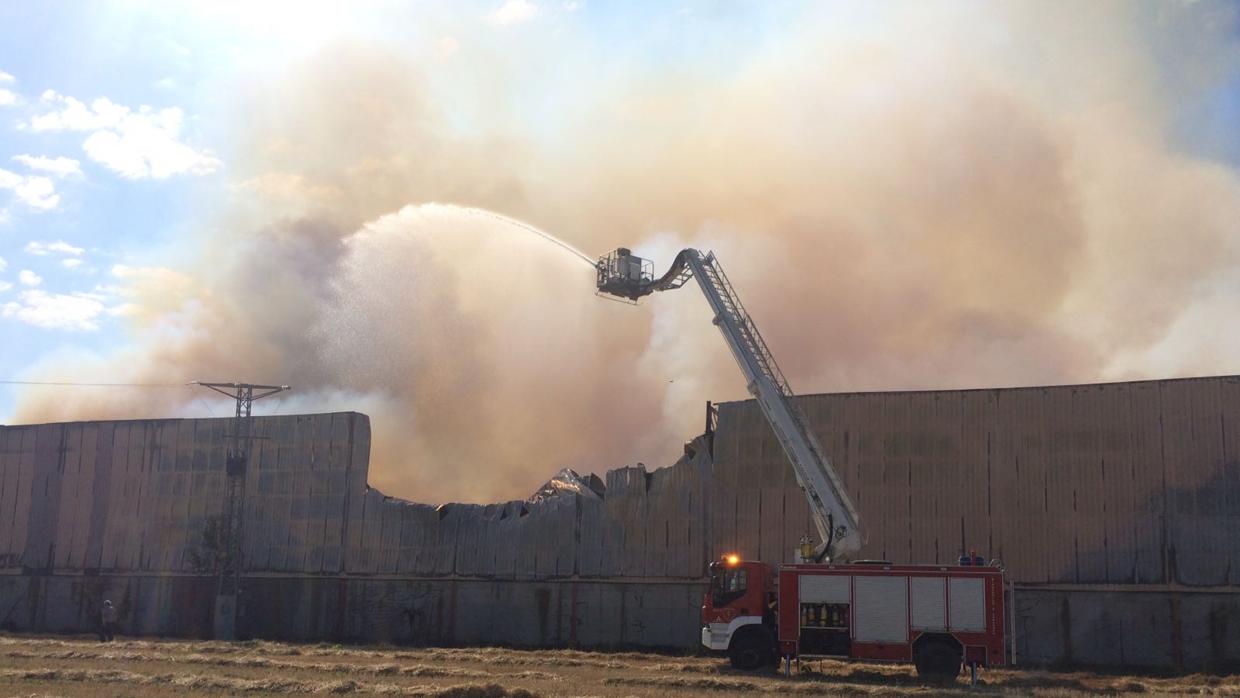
<point x="906" y="196"/>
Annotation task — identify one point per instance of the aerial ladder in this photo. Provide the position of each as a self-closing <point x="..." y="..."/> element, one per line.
<point x="821" y="606"/>
<point x="624" y="275"/>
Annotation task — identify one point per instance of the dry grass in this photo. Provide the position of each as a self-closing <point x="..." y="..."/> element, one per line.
<point x="79" y="667"/>
<point x="200" y="682"/>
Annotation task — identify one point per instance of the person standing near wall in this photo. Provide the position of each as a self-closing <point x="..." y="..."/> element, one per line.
<point x="107" y="621"/>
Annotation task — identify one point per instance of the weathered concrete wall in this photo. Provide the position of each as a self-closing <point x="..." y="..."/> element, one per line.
<point x="1110" y="505"/>
<point x="118" y="509"/>
<point x="1150" y="628"/>
<point x="1113" y="506"/>
<point x="136" y="496"/>
<point x="579" y="613"/>
<point x="1125" y="483"/>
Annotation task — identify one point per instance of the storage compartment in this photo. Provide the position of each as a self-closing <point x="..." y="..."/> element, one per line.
<point x="824" y="629"/>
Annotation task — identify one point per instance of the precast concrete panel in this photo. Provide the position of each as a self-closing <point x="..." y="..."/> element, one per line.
<point x="10" y="447"/>
<point x="46" y="481"/>
<point x="70" y="482"/>
<point x="977" y="410"/>
<point x="1230" y="480"/>
<point x="23" y="485"/>
<point x="770" y="526"/>
<point x="111" y="532"/>
<point x="78" y="500"/>
<point x="590" y="530"/>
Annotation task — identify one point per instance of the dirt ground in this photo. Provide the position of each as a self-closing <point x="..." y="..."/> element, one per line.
<point x="80" y="666"/>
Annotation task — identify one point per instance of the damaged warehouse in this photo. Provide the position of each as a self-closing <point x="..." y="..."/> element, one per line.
<point x="1110" y="505"/>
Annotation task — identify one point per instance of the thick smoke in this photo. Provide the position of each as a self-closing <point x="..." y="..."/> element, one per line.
<point x="932" y="196"/>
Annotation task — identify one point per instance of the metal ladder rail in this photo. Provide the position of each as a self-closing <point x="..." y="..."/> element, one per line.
<point x="753" y="340"/>
<point x="749" y="331"/>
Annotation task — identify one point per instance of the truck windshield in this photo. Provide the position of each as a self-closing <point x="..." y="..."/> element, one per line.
<point x="731" y="581"/>
<point x="728" y="585"/>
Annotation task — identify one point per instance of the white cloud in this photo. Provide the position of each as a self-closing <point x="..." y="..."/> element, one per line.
<point x="71" y="263"/>
<point x="513" y="12"/>
<point x="134" y="144"/>
<point x="56" y="311"/>
<point x="29" y="278"/>
<point x="37" y="247"/>
<point x="6" y="77"/>
<point x="73" y="115"/>
<point x="58" y="166"/>
<point x="4" y="285"/>
<point x="35" y="191"/>
<point x="3" y="264"/>
<point x="571" y="5"/>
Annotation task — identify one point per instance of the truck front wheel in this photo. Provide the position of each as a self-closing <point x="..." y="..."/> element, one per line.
<point x="751" y="649"/>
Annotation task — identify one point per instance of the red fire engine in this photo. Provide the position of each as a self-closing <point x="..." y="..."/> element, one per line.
<point x="940" y="617"/>
<point x="937" y="616"/>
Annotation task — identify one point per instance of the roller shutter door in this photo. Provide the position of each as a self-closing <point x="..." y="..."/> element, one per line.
<point x="881" y="609"/>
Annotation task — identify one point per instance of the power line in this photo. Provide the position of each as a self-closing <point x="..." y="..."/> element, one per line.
<point x="202" y="402"/>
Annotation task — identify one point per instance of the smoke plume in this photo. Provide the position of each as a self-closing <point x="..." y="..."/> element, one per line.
<point x="921" y="196"/>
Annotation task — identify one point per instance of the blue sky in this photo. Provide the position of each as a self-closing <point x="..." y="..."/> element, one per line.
<point x="73" y="217"/>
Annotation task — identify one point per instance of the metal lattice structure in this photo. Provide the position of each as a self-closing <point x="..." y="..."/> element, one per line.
<point x="236" y="461"/>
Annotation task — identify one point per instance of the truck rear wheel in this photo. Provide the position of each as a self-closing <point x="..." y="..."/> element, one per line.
<point x="937" y="661"/>
<point x="750" y="650"/>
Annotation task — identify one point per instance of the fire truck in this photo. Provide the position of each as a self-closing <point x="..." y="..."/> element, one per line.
<point x="940" y="617"/>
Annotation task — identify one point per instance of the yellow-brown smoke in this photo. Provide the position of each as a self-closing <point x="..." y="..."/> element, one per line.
<point x="977" y="195"/>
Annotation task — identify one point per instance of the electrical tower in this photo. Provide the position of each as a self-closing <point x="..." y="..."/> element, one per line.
<point x="236" y="462"/>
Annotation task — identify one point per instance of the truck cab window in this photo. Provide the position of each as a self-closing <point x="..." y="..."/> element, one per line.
<point x="729" y="585"/>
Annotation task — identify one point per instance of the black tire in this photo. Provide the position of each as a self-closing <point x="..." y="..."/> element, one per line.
<point x="750" y="650"/>
<point x="937" y="661"/>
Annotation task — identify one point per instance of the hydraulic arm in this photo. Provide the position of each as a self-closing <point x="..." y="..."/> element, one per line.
<point x="623" y="275"/>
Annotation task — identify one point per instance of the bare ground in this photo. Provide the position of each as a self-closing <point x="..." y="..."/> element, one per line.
<point x="76" y="666"/>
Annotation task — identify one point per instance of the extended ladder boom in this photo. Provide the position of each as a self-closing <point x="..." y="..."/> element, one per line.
<point x="621" y="274"/>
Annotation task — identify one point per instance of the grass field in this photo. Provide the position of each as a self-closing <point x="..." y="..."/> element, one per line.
<point x="78" y="666"/>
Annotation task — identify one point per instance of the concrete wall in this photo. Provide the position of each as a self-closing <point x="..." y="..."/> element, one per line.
<point x="135" y="495"/>
<point x="117" y="510"/>
<point x="1125" y="483"/>
<point x="1114" y="507"/>
<point x="1111" y="505"/>
<point x="578" y="613"/>
<point x="1134" y="627"/>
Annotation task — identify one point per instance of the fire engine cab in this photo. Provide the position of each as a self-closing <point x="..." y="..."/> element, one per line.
<point x="940" y="617"/>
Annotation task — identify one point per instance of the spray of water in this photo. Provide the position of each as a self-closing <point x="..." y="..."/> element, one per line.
<point x="529" y="228"/>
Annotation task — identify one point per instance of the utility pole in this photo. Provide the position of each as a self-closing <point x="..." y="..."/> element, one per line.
<point x="236" y="462"/>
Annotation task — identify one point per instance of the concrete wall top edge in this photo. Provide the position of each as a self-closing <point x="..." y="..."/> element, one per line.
<point x="174" y="420"/>
<point x="1008" y="389"/>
